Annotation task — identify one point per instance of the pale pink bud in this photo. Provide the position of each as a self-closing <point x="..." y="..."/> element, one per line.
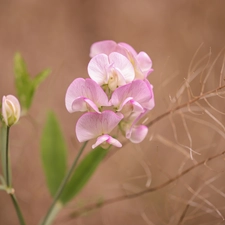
<point x="10" y="110"/>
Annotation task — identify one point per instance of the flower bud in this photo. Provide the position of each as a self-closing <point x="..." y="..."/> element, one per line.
<point x="10" y="110"/>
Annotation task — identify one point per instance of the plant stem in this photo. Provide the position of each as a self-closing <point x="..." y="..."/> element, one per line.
<point x="7" y="157"/>
<point x="18" y="211"/>
<point x="9" y="188"/>
<point x="46" y="220"/>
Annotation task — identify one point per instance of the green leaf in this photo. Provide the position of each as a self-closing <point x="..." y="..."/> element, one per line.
<point x="22" y="81"/>
<point x="41" y="77"/>
<point x="82" y="174"/>
<point x="25" y="85"/>
<point x="53" y="153"/>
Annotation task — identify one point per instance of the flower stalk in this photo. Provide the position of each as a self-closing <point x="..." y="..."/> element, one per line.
<point x="6" y="170"/>
<point x="8" y="183"/>
<point x="56" y="204"/>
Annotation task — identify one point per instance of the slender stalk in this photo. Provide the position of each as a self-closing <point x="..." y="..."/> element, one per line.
<point x="18" y="211"/>
<point x="9" y="189"/>
<point x="3" y="151"/>
<point x="7" y="157"/>
<point x="51" y="210"/>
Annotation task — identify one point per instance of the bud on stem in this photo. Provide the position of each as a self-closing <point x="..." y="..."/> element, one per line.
<point x="10" y="110"/>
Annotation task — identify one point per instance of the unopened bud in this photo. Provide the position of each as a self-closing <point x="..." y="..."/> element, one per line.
<point x="10" y="110"/>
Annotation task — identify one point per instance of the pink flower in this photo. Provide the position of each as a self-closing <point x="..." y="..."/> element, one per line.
<point x="135" y="97"/>
<point x="137" y="134"/>
<point x="94" y="125"/>
<point x="114" y="70"/>
<point x="141" y="61"/>
<point x="10" y="110"/>
<point x="134" y="100"/>
<point x="85" y="95"/>
<point x="106" y="47"/>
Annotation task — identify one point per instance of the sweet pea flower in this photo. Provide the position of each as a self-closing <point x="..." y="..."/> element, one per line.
<point x="137" y="134"/>
<point x="113" y="70"/>
<point x="85" y="95"/>
<point x="10" y="110"/>
<point x="135" y="97"/>
<point x="94" y="125"/>
<point x="106" y="47"/>
<point x="141" y="61"/>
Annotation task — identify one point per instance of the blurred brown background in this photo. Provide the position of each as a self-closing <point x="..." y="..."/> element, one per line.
<point x="58" y="34"/>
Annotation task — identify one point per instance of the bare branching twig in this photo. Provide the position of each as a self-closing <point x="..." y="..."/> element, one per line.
<point x="202" y="96"/>
<point x="93" y="206"/>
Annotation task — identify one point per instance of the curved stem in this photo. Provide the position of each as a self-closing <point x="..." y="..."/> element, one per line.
<point x="51" y="210"/>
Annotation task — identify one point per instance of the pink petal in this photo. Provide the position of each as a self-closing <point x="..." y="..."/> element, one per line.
<point x="105" y="47"/>
<point x="137" y="133"/>
<point x="130" y="105"/>
<point x="121" y="63"/>
<point x="83" y="91"/>
<point x="128" y="47"/>
<point x="78" y="104"/>
<point x="110" y="120"/>
<point x="81" y="104"/>
<point x="137" y="107"/>
<point x="88" y="126"/>
<point x="106" y="138"/>
<point x="150" y="104"/>
<point x="92" y="124"/>
<point x="139" y="90"/>
<point x="97" y="68"/>
<point x="144" y="62"/>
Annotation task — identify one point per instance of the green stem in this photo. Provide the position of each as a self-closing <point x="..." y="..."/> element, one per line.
<point x="3" y="151"/>
<point x="7" y="157"/>
<point x="51" y="211"/>
<point x="18" y="211"/>
<point x="9" y="189"/>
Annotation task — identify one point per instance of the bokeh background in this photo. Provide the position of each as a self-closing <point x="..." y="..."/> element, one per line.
<point x="58" y="34"/>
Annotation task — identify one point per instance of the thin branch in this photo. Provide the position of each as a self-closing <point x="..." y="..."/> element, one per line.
<point x="93" y="206"/>
<point x="221" y="72"/>
<point x="209" y="72"/>
<point x="183" y="106"/>
<point x="183" y="214"/>
<point x="211" y="106"/>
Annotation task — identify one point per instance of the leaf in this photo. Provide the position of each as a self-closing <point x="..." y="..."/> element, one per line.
<point x="41" y="77"/>
<point x="82" y="174"/>
<point x="22" y="81"/>
<point x="53" y="153"/>
<point x="25" y="85"/>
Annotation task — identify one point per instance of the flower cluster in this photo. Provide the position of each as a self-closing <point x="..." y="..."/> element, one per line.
<point x="118" y="80"/>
